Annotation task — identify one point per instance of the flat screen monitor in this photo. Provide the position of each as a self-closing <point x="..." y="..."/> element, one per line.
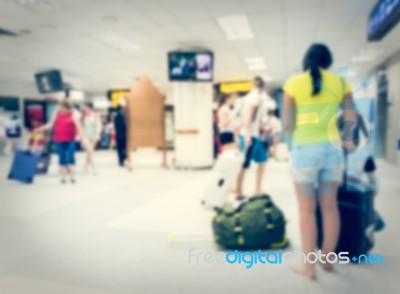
<point x="49" y="81"/>
<point x="13" y="126"/>
<point x="190" y="66"/>
<point x="34" y="113"/>
<point x="9" y="103"/>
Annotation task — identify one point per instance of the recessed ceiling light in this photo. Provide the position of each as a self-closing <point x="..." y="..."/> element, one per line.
<point x="257" y="66"/>
<point x="236" y="27"/>
<point x="115" y="41"/>
<point x="252" y="60"/>
<point x="365" y="56"/>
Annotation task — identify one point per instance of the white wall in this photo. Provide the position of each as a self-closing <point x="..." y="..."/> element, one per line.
<point x="20" y="90"/>
<point x="393" y="132"/>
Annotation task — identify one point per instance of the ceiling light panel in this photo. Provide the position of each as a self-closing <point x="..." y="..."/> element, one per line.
<point x="366" y="55"/>
<point x="257" y="66"/>
<point x="253" y="60"/>
<point x="115" y="41"/>
<point x="41" y="5"/>
<point x="236" y="27"/>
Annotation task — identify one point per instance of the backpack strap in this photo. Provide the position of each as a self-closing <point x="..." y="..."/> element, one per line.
<point x="256" y="109"/>
<point x="268" y="219"/>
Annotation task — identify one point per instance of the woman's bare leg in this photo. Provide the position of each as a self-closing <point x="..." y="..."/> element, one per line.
<point x="260" y="177"/>
<point x="331" y="222"/>
<point x="71" y="169"/>
<point x="87" y="161"/>
<point x="240" y="180"/>
<point x="91" y="158"/>
<point x="63" y="171"/>
<point x="308" y="231"/>
<point x="277" y="139"/>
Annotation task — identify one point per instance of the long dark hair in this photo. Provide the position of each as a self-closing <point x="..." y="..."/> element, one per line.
<point x="317" y="56"/>
<point x="223" y="98"/>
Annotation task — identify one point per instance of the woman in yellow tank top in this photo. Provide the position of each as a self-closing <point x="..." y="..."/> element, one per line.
<point x="311" y="103"/>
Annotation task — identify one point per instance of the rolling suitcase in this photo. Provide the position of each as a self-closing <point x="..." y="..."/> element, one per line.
<point x="43" y="164"/>
<point x="24" y="166"/>
<point x="357" y="226"/>
<point x="282" y="152"/>
<point x="224" y="175"/>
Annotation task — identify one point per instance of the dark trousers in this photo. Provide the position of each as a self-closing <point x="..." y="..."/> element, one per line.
<point x="121" y="150"/>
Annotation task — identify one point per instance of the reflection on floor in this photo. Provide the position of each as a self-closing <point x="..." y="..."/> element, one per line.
<point x="111" y="233"/>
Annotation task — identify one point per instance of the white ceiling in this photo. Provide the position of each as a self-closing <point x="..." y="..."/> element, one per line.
<point x="283" y="30"/>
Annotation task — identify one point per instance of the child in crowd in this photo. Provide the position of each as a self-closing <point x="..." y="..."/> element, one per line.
<point x="271" y="129"/>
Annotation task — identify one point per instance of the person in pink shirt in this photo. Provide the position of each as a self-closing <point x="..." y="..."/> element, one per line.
<point x="66" y="126"/>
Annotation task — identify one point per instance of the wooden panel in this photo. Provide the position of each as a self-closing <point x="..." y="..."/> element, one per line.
<point x="145" y="109"/>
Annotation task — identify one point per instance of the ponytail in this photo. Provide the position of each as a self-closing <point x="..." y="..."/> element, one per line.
<point x="316" y="80"/>
<point x="317" y="56"/>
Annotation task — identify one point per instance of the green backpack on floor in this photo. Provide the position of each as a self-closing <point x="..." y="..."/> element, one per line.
<point x="256" y="224"/>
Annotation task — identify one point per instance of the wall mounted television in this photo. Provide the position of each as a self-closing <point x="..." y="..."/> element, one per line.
<point x="383" y="18"/>
<point x="190" y="66"/>
<point x="49" y="81"/>
<point x="9" y="103"/>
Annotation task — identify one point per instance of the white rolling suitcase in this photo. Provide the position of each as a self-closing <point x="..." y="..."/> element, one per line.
<point x="282" y="152"/>
<point x="224" y="176"/>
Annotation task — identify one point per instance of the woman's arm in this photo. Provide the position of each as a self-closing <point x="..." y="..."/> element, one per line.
<point x="99" y="126"/>
<point x="350" y="123"/>
<point x="47" y="126"/>
<point x="289" y="114"/>
<point x="78" y="126"/>
<point x="223" y="118"/>
<point x="248" y="118"/>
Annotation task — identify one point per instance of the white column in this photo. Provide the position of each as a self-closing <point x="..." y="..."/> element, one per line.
<point x="193" y="124"/>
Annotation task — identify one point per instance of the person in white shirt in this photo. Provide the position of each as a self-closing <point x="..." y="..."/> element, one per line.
<point x="271" y="129"/>
<point x="92" y="125"/>
<point x="254" y="106"/>
<point x="226" y="124"/>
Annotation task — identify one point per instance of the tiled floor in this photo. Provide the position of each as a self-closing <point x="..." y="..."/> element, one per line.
<point x="121" y="232"/>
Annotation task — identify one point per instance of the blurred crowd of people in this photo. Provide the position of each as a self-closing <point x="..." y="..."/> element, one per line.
<point x="323" y="126"/>
<point x="69" y="129"/>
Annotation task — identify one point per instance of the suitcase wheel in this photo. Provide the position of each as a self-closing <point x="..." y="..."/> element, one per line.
<point x="29" y="180"/>
<point x="10" y="176"/>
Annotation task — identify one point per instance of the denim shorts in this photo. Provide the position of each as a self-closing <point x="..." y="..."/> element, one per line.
<point x="316" y="163"/>
<point x="256" y="151"/>
<point x="66" y="152"/>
